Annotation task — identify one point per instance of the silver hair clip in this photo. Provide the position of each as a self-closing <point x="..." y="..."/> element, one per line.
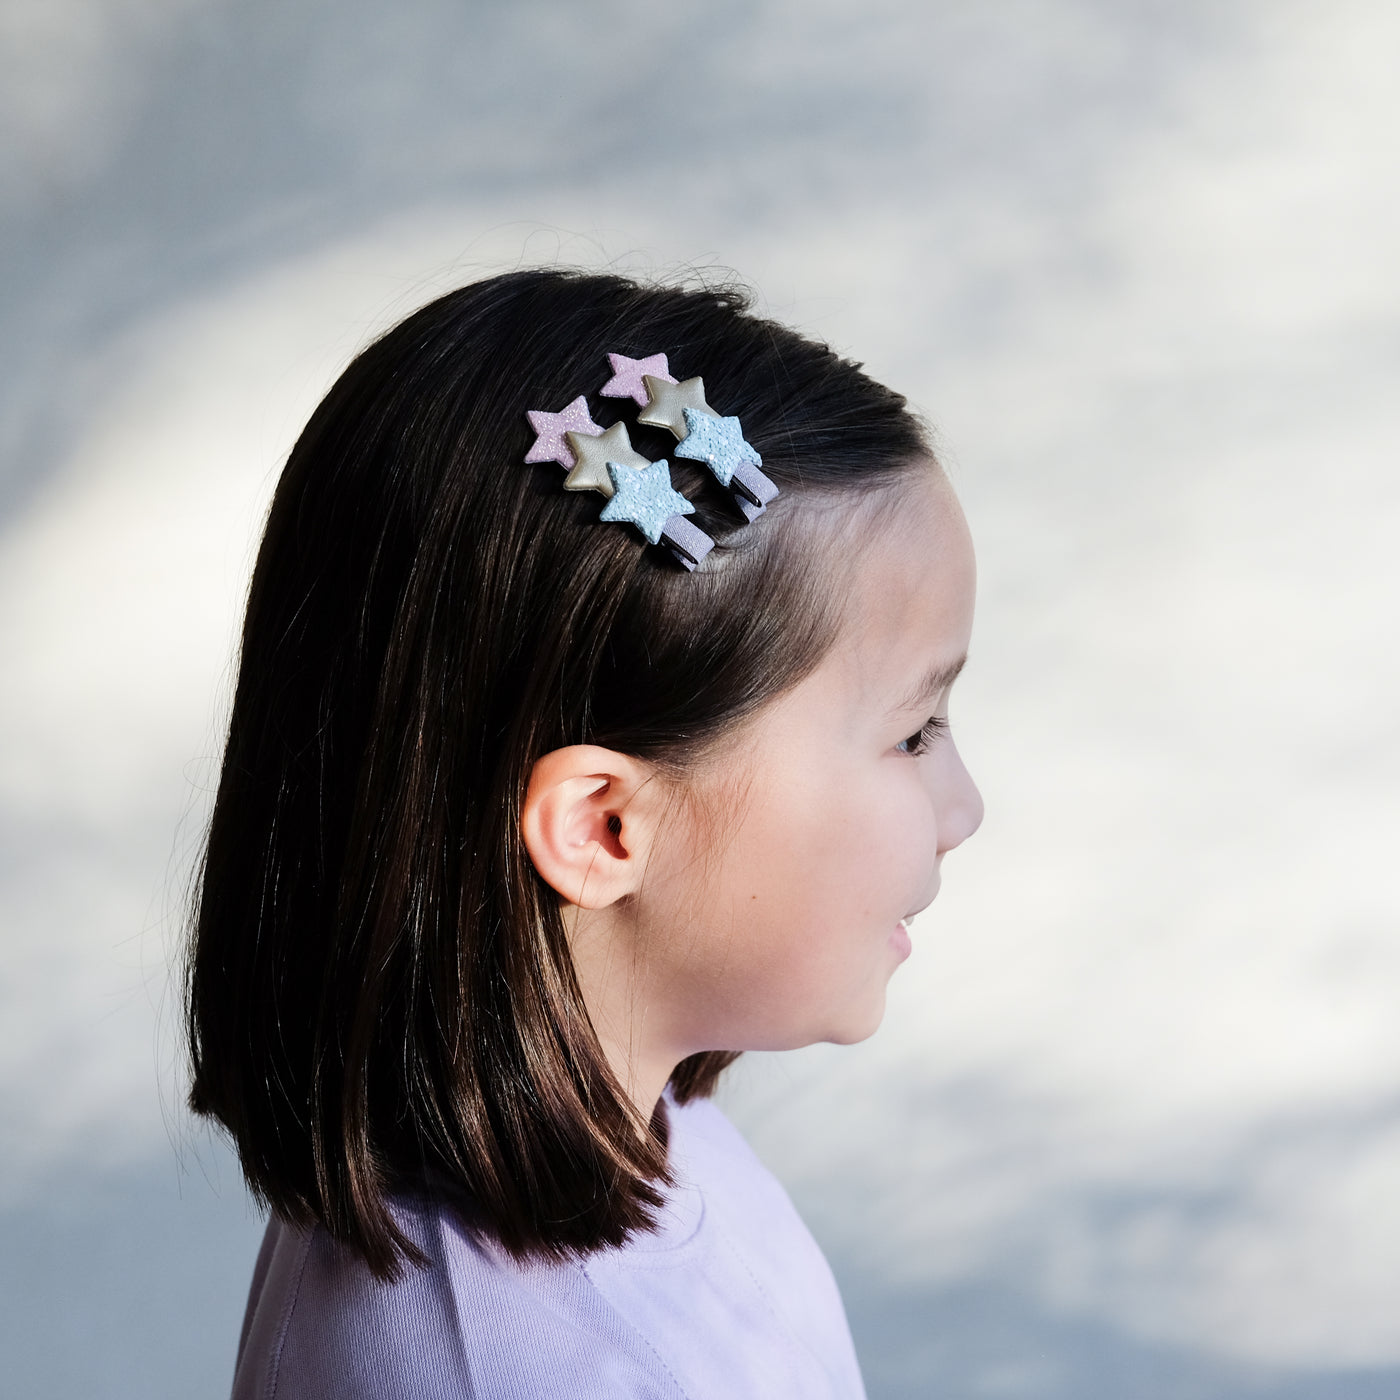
<point x="701" y="434"/>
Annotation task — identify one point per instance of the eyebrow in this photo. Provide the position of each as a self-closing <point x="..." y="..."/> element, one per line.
<point x="933" y="683"/>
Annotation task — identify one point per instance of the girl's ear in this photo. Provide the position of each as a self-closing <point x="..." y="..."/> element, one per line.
<point x="584" y="828"/>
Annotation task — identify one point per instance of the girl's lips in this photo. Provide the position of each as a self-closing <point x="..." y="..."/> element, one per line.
<point x="899" y="938"/>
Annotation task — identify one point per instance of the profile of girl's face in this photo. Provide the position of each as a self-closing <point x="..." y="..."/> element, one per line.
<point x="776" y="919"/>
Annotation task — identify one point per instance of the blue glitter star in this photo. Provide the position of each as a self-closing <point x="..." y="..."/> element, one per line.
<point x="644" y="497"/>
<point x="718" y="442"/>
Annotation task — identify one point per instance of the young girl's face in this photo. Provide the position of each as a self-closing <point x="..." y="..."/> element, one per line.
<point x="777" y="920"/>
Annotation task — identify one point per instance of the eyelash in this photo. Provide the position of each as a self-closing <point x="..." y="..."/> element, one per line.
<point x="919" y="743"/>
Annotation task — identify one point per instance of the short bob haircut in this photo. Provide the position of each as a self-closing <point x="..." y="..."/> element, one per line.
<point x="380" y="990"/>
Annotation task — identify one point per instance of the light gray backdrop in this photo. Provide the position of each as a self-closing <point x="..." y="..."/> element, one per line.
<point x="1132" y="1127"/>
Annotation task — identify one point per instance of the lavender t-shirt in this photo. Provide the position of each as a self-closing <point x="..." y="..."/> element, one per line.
<point x="731" y="1298"/>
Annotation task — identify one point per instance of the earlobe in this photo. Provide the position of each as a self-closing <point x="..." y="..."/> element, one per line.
<point x="581" y="825"/>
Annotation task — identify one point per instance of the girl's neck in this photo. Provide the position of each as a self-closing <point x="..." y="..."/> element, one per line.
<point x="625" y="1016"/>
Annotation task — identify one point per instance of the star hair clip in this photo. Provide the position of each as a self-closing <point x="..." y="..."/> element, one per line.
<point x="701" y="434"/>
<point x="637" y="491"/>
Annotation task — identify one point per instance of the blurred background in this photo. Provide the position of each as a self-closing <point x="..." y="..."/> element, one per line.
<point x="1132" y="1125"/>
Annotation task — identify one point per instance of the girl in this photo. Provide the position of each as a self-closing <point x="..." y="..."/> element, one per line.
<point x="533" y="816"/>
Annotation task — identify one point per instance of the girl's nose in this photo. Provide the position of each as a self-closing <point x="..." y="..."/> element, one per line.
<point x="962" y="810"/>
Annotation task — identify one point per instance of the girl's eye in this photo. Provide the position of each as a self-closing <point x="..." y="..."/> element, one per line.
<point x="919" y="743"/>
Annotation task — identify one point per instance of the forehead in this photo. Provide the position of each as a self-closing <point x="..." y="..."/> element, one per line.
<point x="912" y="580"/>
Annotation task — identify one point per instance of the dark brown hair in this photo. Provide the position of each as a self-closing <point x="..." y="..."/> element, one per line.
<point x="379" y="982"/>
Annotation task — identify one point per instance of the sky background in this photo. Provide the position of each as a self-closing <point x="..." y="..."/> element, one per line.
<point x="1132" y="1125"/>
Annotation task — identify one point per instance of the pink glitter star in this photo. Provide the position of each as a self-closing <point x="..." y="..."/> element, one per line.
<point x="551" y="427"/>
<point x="626" y="382"/>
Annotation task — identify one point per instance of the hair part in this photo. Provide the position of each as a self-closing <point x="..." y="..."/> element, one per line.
<point x="380" y="989"/>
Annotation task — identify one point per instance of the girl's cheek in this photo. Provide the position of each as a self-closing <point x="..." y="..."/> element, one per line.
<point x="914" y="809"/>
<point x="918" y="830"/>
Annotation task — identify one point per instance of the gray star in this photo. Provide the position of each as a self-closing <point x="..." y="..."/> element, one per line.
<point x="670" y="401"/>
<point x="593" y="453"/>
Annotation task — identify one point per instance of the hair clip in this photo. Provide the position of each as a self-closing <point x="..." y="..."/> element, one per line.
<point x="637" y="491"/>
<point x="702" y="435"/>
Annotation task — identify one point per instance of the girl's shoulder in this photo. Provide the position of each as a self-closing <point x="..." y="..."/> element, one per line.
<point x="729" y="1295"/>
<point x="709" y="1153"/>
<point x="732" y="1290"/>
<point x="470" y="1323"/>
<point x="730" y="1171"/>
